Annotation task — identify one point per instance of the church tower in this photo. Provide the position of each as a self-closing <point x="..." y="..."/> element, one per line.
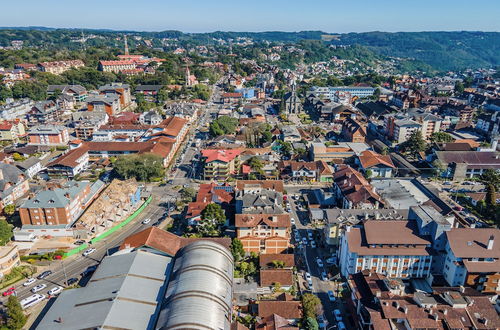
<point x="126" y="44"/>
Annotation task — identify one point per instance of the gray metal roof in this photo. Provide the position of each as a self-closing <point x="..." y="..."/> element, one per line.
<point x="199" y="295"/>
<point x="123" y="293"/>
<point x="58" y="197"/>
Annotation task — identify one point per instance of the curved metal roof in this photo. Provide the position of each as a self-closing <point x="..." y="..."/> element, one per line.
<point x="199" y="293"/>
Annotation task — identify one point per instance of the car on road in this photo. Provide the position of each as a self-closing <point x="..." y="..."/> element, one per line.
<point x="55" y="290"/>
<point x="310" y="235"/>
<point x="324" y="277"/>
<point x="309" y="280"/>
<point x="331" y="261"/>
<point x="319" y="262"/>
<point x="8" y="292"/>
<point x="72" y="281"/>
<point x="321" y="322"/>
<point x="304" y="241"/>
<point x="337" y="314"/>
<point x="313" y="244"/>
<point x="39" y="287"/>
<point x="292" y="221"/>
<point x="44" y="274"/>
<point x="30" y="281"/>
<point x="341" y="326"/>
<point x="89" y="270"/>
<point x="88" y="252"/>
<point x="331" y="296"/>
<point x="79" y="242"/>
<point x="146" y="221"/>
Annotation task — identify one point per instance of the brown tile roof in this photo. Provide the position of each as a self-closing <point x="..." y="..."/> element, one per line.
<point x="354" y="186"/>
<point x="473" y="242"/>
<point x="155" y="147"/>
<point x="253" y="220"/>
<point x="273" y="322"/>
<point x="173" y="125"/>
<point x="370" y="158"/>
<point x="269" y="277"/>
<point x="266" y="260"/>
<point x="276" y="185"/>
<point x="70" y="158"/>
<point x="392" y="232"/>
<point x="165" y="241"/>
<point x="286" y="309"/>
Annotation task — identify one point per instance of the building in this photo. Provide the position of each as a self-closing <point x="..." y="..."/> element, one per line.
<point x="116" y="66"/>
<point x="69" y="165"/>
<point x="51" y="135"/>
<point x="390" y="247"/>
<point x="109" y="104"/>
<point x="9" y="258"/>
<point x="30" y="166"/>
<point x="118" y="89"/>
<point x="460" y="165"/>
<point x="399" y="129"/>
<point x="318" y="171"/>
<point x="189" y="79"/>
<point x="353" y="191"/>
<point x="43" y="112"/>
<point x="353" y="131"/>
<point x="149" y="90"/>
<point x="330" y="92"/>
<point x="336" y="153"/>
<point x="12" y="130"/>
<point x="150" y="118"/>
<point x="58" y="67"/>
<point x="59" y="205"/>
<point x="13" y="184"/>
<point x="473" y="258"/>
<point x="219" y="164"/>
<point x="13" y="110"/>
<point x="270" y="278"/>
<point x="292" y="102"/>
<point x="378" y="165"/>
<point x="77" y="93"/>
<point x="290" y="133"/>
<point x="430" y="123"/>
<point x="380" y="302"/>
<point x="263" y="233"/>
<point x="209" y="193"/>
<point x="88" y="122"/>
<point x="284" y="307"/>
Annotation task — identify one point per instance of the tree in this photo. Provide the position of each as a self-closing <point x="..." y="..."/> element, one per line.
<point x="237" y="249"/>
<point x="368" y="173"/>
<point x="188" y="194"/>
<point x="223" y="125"/>
<point x="9" y="209"/>
<point x="311" y="305"/>
<point x="17" y="157"/>
<point x="459" y="87"/>
<point x="491" y="195"/>
<point x="212" y="219"/>
<point x="278" y="263"/>
<point x="15" y="315"/>
<point x="256" y="164"/>
<point x="491" y="176"/>
<point x="441" y="137"/>
<point x="143" y="167"/>
<point x="311" y="324"/>
<point x="438" y="166"/>
<point x="5" y="231"/>
<point x="414" y="144"/>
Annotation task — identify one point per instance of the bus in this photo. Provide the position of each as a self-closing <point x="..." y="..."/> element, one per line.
<point x="32" y="300"/>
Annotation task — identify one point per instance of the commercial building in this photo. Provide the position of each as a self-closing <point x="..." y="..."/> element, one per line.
<point x="353" y="191"/>
<point x="461" y="165"/>
<point x="51" y="135"/>
<point x="9" y="258"/>
<point x="109" y="104"/>
<point x="330" y="92"/>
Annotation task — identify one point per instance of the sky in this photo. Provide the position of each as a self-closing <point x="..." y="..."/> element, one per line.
<point x="335" y="16"/>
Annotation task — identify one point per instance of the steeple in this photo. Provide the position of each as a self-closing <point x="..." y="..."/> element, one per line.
<point x="126" y="44"/>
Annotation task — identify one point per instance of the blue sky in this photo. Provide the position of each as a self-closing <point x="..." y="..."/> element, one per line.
<point x="256" y="15"/>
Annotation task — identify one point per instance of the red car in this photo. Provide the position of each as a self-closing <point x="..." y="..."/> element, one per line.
<point x="9" y="292"/>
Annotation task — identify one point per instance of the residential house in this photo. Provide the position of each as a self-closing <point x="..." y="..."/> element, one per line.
<point x="353" y="130"/>
<point x="30" y="166"/>
<point x="290" y="133"/>
<point x="488" y="123"/>
<point x="473" y="258"/>
<point x="13" y="110"/>
<point x="219" y="164"/>
<point x="149" y="90"/>
<point x="353" y="191"/>
<point x="263" y="233"/>
<point x="51" y="135"/>
<point x="390" y="247"/>
<point x="378" y="165"/>
<point x="231" y="97"/>
<point x="118" y="89"/>
<point x="77" y="93"/>
<point x="209" y="193"/>
<point x="273" y="322"/>
<point x="284" y="305"/>
<point x="270" y="278"/>
<point x="70" y="164"/>
<point x="88" y="122"/>
<point x="276" y="260"/>
<point x="11" y="130"/>
<point x="150" y="118"/>
<point x="58" y="67"/>
<point x="43" y="112"/>
<point x="13" y="184"/>
<point x="318" y="171"/>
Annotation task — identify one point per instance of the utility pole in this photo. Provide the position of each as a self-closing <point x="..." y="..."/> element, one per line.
<point x="64" y="272"/>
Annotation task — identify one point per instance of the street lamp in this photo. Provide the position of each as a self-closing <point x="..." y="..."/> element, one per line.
<point x="64" y="272"/>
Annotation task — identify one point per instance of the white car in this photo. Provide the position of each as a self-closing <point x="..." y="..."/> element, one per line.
<point x="323" y="276"/>
<point x="310" y="235"/>
<point x="55" y="290"/>
<point x="309" y="280"/>
<point x="146" y="221"/>
<point x="39" y="287"/>
<point x="30" y="281"/>
<point x="313" y="244"/>
<point x="337" y="314"/>
<point x="292" y="221"/>
<point x="341" y="326"/>
<point x="319" y="262"/>
<point x="331" y="261"/>
<point x="89" y="251"/>
<point x="331" y="296"/>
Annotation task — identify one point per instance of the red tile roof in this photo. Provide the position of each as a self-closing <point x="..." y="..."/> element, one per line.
<point x="272" y="220"/>
<point x="223" y="155"/>
<point x="370" y="158"/>
<point x="269" y="277"/>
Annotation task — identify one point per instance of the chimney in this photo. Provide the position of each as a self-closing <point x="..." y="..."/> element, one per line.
<point x="445" y="312"/>
<point x="462" y="289"/>
<point x="435" y="316"/>
<point x="405" y="310"/>
<point x="491" y="241"/>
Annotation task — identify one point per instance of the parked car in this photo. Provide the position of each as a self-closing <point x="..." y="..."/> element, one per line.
<point x="337" y="314"/>
<point x="313" y="244"/>
<point x="341" y="326"/>
<point x="292" y="221"/>
<point x="9" y="291"/>
<point x="146" y="221"/>
<point x="79" y="242"/>
<point x="55" y="290"/>
<point x="29" y="281"/>
<point x="331" y="261"/>
<point x="304" y="241"/>
<point x="89" y="270"/>
<point x="321" y="322"/>
<point x="319" y="262"/>
<point x="309" y="280"/>
<point x="323" y="276"/>
<point x="39" y="287"/>
<point x="331" y="296"/>
<point x="72" y="281"/>
<point x="88" y="252"/>
<point x="44" y="274"/>
<point x="310" y="235"/>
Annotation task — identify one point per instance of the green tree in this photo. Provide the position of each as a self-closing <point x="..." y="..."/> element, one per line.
<point x="188" y="194"/>
<point x="414" y="144"/>
<point x="278" y="263"/>
<point x="212" y="219"/>
<point x="459" y="87"/>
<point x="368" y="173"/>
<point x="5" y="231"/>
<point x="310" y="323"/>
<point x="491" y="176"/>
<point x="15" y="315"/>
<point x="491" y="195"/>
<point x="237" y="249"/>
<point x="142" y="167"/>
<point x="9" y="209"/>
<point x="311" y="305"/>
<point x="17" y="157"/>
<point x="256" y="164"/>
<point x="223" y="125"/>
<point x="439" y="137"/>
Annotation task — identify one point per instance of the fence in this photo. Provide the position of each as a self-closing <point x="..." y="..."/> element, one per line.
<point x="111" y="230"/>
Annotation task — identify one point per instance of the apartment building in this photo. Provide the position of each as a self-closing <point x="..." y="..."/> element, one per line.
<point x="331" y="92"/>
<point x="58" y="67"/>
<point x="13" y="184"/>
<point x="353" y="130"/>
<point x="50" y="135"/>
<point x="87" y="122"/>
<point x="118" y="89"/>
<point x="13" y="110"/>
<point x="390" y="247"/>
<point x="69" y="164"/>
<point x="263" y="233"/>
<point x="399" y="129"/>
<point x="116" y="66"/>
<point x="109" y="104"/>
<point x="219" y="164"/>
<point x="12" y="130"/>
<point x="43" y="112"/>
<point x="77" y="93"/>
<point x="9" y="258"/>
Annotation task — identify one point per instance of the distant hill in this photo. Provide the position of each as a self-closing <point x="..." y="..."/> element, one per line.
<point x="426" y="51"/>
